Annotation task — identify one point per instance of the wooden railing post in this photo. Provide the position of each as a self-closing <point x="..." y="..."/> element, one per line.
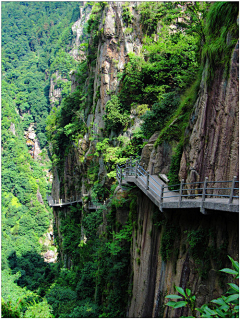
<point x="181" y="190"/>
<point x="202" y="209"/>
<point x="232" y="190"/>
<point x="147" y="181"/>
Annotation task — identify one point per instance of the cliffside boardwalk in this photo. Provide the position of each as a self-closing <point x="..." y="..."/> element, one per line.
<point x="72" y="200"/>
<point x="206" y="195"/>
<point x="185" y="195"/>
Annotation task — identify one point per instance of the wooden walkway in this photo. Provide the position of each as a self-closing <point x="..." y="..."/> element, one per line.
<point x="186" y="195"/>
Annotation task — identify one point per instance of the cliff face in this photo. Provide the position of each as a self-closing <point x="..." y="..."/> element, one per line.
<point x="196" y="244"/>
<point x="183" y="248"/>
<point x="112" y="54"/>
<point x="214" y="128"/>
<point x="212" y="136"/>
<point x="115" y="44"/>
<point x="212" y="151"/>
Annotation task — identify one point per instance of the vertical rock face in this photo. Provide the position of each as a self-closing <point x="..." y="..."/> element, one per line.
<point x="55" y="92"/>
<point x="32" y="141"/>
<point x="77" y="30"/>
<point x="154" y="277"/>
<point x="214" y="129"/>
<point x="112" y="55"/>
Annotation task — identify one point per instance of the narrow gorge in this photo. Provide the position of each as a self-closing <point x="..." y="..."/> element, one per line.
<point x="154" y="83"/>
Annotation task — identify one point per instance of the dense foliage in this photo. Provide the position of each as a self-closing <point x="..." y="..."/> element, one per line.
<point x="96" y="284"/>
<point x="35" y="39"/>
<point x="24" y="218"/>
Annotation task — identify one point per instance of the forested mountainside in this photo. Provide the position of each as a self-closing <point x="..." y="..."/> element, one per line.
<point x="86" y="86"/>
<point x="36" y="40"/>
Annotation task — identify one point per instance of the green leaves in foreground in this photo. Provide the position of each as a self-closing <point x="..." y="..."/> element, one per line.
<point x="189" y="300"/>
<point x="223" y="307"/>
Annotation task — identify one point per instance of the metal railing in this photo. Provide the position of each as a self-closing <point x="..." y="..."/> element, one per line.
<point x="227" y="189"/>
<point x="61" y="201"/>
<point x="72" y="200"/>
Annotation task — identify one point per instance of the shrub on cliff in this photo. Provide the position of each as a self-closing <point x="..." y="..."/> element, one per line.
<point x="115" y="118"/>
<point x="154" y="119"/>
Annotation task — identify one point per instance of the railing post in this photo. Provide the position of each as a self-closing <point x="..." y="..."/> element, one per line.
<point x="161" y="198"/>
<point x="232" y="190"/>
<point x="130" y="165"/>
<point x="127" y="168"/>
<point x="120" y="176"/>
<point x="181" y="190"/>
<point x="202" y="209"/>
<point x="147" y="182"/>
<point x="136" y="167"/>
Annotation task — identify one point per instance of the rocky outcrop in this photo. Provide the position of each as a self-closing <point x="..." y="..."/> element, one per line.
<point x="32" y="142"/>
<point x="157" y="160"/>
<point x="77" y="29"/>
<point x="39" y="197"/>
<point x="55" y="95"/>
<point x="12" y="128"/>
<point x="112" y="55"/>
<point x="213" y="146"/>
<point x="47" y="241"/>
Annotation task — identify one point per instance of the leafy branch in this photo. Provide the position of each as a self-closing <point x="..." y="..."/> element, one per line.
<point x="223" y="307"/>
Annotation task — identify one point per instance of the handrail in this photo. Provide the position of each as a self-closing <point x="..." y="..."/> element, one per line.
<point x="73" y="199"/>
<point x="152" y="185"/>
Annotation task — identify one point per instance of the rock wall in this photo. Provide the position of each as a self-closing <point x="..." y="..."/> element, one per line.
<point x="213" y="146"/>
<point x="154" y="277"/>
<point x="212" y="137"/>
<point x="32" y="142"/>
<point x="112" y="55"/>
<point x="77" y="29"/>
<point x="54" y="91"/>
